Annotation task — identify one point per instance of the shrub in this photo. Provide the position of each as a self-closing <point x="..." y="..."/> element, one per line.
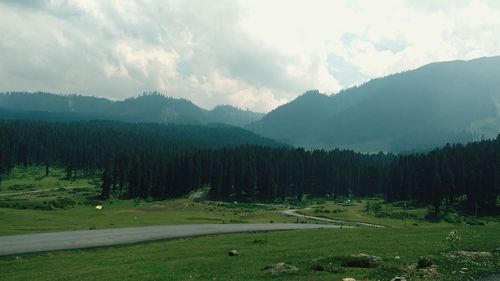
<point x="452" y="218"/>
<point x="62" y="203"/>
<point x="473" y="221"/>
<point x="424" y="262"/>
<point x="432" y="216"/>
<point x="453" y="238"/>
<point x="375" y="208"/>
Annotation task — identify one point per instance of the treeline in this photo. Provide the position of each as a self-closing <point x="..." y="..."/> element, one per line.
<point x="250" y="173"/>
<point x="459" y="173"/>
<point x="93" y="146"/>
<point x="455" y="173"/>
<point x="145" y="160"/>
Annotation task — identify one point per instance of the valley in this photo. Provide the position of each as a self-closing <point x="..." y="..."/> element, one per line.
<point x="235" y="140"/>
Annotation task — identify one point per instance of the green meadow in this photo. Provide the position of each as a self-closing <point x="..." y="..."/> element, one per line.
<point x="409" y="245"/>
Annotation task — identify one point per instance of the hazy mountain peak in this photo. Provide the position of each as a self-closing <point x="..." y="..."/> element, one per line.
<point x="436" y="103"/>
<point x="152" y="107"/>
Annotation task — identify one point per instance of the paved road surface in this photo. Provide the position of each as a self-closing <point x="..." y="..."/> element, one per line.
<point x="347" y="223"/>
<point x="29" y="243"/>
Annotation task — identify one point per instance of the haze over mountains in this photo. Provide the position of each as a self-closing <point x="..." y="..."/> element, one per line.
<point x="457" y="101"/>
<point x="151" y="107"/>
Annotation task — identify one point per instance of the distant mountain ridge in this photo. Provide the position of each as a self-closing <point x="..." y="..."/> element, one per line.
<point x="151" y="107"/>
<point x="456" y="101"/>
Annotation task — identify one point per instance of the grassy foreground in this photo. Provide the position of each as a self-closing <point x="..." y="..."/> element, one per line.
<point x="409" y="246"/>
<point x="315" y="254"/>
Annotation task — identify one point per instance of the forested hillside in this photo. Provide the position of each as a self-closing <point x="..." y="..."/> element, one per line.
<point x="137" y="160"/>
<point x="92" y="146"/>
<point x="457" y="101"/>
<point x="149" y="107"/>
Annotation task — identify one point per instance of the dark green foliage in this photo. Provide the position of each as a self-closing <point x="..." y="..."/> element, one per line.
<point x="275" y="174"/>
<point x="464" y="174"/>
<point x="424" y="262"/>
<point x="106" y="185"/>
<point x="159" y="161"/>
<point x="362" y="262"/>
<point x="62" y="203"/>
<point x="133" y="156"/>
<point x="23" y="204"/>
<point x="335" y="263"/>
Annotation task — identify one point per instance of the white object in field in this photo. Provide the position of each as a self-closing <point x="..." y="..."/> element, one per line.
<point x="99" y="207"/>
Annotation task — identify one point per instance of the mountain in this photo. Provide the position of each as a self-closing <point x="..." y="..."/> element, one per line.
<point x="237" y="117"/>
<point x="153" y="108"/>
<point x="456" y="101"/>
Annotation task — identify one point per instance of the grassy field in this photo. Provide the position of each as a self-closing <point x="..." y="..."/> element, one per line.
<point x="33" y="179"/>
<point x="43" y="204"/>
<point x="316" y="255"/>
<point x="376" y="211"/>
<point x="54" y="204"/>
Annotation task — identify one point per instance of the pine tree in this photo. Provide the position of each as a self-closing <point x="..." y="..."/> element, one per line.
<point x="106" y="185"/>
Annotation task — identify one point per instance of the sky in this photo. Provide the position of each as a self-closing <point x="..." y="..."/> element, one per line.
<point x="252" y="54"/>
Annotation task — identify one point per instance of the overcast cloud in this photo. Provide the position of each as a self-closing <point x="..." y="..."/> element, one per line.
<point x="254" y="54"/>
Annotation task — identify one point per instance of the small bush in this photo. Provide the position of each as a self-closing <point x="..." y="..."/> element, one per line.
<point x="473" y="221"/>
<point x="237" y="221"/>
<point x="328" y="264"/>
<point x="452" y="218"/>
<point x="432" y="216"/>
<point x="361" y="262"/>
<point x="258" y="241"/>
<point x="335" y="263"/>
<point x="375" y="208"/>
<point x="62" y="203"/>
<point x="453" y="238"/>
<point x="424" y="262"/>
<point x="320" y="202"/>
<point x="381" y="214"/>
<point x="19" y="187"/>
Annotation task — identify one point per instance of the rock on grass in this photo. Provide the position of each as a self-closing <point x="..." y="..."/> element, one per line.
<point x="279" y="268"/>
<point x="361" y="260"/>
<point x="233" y="253"/>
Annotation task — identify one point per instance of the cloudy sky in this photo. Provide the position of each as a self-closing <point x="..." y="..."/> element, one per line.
<point x="254" y="54"/>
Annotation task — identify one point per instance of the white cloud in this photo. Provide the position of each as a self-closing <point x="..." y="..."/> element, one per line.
<point x="253" y="54"/>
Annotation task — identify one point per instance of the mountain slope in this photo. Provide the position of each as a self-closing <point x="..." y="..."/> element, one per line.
<point x="154" y="108"/>
<point x="437" y="103"/>
<point x="237" y="117"/>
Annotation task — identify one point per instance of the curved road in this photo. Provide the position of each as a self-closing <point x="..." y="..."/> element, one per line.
<point x="30" y="243"/>
<point x="341" y="222"/>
